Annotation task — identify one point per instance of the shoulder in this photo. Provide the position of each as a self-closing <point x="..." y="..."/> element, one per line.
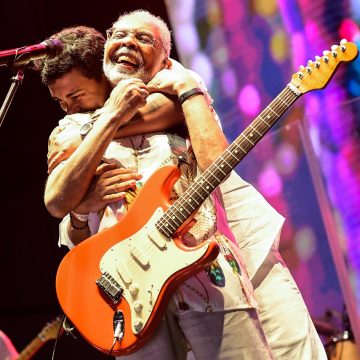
<point x="69" y="124"/>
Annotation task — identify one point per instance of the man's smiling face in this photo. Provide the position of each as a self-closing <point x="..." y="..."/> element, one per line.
<point x="134" y="49"/>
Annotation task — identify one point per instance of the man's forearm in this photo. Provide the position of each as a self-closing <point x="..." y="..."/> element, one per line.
<point x="160" y="113"/>
<point x="68" y="183"/>
<point x="207" y="138"/>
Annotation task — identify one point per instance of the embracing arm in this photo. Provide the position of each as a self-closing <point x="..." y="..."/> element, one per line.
<point x="207" y="138"/>
<point x="67" y="184"/>
<point x="160" y="112"/>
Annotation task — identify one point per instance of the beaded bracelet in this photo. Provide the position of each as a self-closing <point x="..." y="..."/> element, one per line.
<point x="187" y="94"/>
<point x="75" y="226"/>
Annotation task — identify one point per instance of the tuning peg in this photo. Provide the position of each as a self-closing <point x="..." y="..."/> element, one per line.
<point x="301" y="67"/>
<point x="317" y="64"/>
<point x="317" y="58"/>
<point x="334" y="47"/>
<point x="300" y="75"/>
<point x="308" y="69"/>
<point x="342" y="48"/>
<point x="334" y="54"/>
<point x="326" y="53"/>
<point x="309" y="63"/>
<point x="343" y="41"/>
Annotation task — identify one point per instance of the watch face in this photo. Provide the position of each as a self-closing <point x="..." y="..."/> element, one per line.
<point x="85" y="129"/>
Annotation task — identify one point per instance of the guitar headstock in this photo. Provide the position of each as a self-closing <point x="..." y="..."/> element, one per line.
<point x="51" y="330"/>
<point x="318" y="73"/>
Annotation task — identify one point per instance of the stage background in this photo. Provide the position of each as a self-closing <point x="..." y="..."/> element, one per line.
<point x="308" y="166"/>
<point x="246" y="51"/>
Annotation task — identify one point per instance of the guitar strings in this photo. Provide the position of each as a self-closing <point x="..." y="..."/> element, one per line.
<point x="280" y="102"/>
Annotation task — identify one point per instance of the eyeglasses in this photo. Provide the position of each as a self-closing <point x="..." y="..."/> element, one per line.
<point x="141" y="37"/>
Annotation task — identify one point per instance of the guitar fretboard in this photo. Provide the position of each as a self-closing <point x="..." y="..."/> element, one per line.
<point x="200" y="189"/>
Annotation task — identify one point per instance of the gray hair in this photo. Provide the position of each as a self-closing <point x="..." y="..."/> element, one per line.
<point x="158" y="21"/>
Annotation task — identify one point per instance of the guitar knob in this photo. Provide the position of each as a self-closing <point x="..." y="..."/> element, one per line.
<point x="134" y="289"/>
<point x="138" y="324"/>
<point x="138" y="305"/>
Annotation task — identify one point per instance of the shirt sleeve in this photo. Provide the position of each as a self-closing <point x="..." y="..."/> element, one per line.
<point x="64" y="238"/>
<point x="255" y="224"/>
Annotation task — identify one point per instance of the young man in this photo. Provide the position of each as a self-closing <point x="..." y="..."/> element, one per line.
<point x="256" y="227"/>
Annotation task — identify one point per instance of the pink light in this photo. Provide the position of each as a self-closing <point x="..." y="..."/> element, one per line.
<point x="249" y="100"/>
<point x="348" y="29"/>
<point x="229" y="83"/>
<point x="270" y="182"/>
<point x="286" y="158"/>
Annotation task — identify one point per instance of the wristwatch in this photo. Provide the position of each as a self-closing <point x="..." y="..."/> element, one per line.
<point x="85" y="128"/>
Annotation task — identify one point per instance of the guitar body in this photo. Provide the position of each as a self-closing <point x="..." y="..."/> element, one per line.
<point x="146" y="265"/>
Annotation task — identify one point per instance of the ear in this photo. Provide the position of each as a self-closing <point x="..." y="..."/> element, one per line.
<point x="166" y="63"/>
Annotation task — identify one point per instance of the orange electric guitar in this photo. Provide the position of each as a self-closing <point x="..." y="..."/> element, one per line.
<point x="115" y="286"/>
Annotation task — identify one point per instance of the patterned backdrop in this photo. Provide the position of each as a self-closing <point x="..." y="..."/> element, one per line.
<point x="308" y="165"/>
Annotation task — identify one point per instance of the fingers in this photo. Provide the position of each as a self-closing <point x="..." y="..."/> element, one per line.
<point x="120" y="187"/>
<point x="111" y="198"/>
<point x="105" y="167"/>
<point x="144" y="93"/>
<point x="119" y="174"/>
<point x="115" y="180"/>
<point x="153" y="86"/>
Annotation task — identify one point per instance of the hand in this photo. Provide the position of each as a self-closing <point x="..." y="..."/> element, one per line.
<point x="126" y="98"/>
<point x="109" y="185"/>
<point x="62" y="143"/>
<point x="174" y="80"/>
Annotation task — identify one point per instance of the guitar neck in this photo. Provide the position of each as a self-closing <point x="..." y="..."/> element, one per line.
<point x="31" y="349"/>
<point x="200" y="189"/>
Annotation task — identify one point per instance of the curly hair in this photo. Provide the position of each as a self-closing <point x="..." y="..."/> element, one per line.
<point x="83" y="50"/>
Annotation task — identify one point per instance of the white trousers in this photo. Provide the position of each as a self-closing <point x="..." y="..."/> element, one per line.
<point x="284" y="316"/>
<point x="230" y="335"/>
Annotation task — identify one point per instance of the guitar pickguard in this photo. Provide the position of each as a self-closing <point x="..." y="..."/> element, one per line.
<point x="141" y="265"/>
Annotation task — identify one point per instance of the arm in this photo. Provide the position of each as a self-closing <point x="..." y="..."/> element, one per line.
<point x="159" y="113"/>
<point x="109" y="185"/>
<point x="67" y="184"/>
<point x="207" y="139"/>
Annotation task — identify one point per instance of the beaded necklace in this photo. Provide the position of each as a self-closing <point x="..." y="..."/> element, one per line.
<point x="136" y="150"/>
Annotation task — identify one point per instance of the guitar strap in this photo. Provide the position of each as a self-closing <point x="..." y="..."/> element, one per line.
<point x="179" y="147"/>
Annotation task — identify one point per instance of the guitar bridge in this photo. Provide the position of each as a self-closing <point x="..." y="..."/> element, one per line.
<point x="110" y="287"/>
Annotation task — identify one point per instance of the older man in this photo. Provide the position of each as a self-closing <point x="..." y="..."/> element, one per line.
<point x="138" y="47"/>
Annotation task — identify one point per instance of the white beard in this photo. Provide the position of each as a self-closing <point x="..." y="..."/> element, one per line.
<point x="112" y="72"/>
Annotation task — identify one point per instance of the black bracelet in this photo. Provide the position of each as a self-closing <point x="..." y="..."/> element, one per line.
<point x="187" y="94"/>
<point x="77" y="227"/>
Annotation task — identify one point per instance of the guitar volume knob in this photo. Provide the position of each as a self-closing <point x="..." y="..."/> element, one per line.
<point x="134" y="289"/>
<point x="138" y="305"/>
<point x="138" y="324"/>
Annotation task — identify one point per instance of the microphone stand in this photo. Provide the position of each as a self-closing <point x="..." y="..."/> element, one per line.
<point x="16" y="81"/>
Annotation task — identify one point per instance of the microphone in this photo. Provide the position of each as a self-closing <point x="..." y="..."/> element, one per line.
<point x="23" y="55"/>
